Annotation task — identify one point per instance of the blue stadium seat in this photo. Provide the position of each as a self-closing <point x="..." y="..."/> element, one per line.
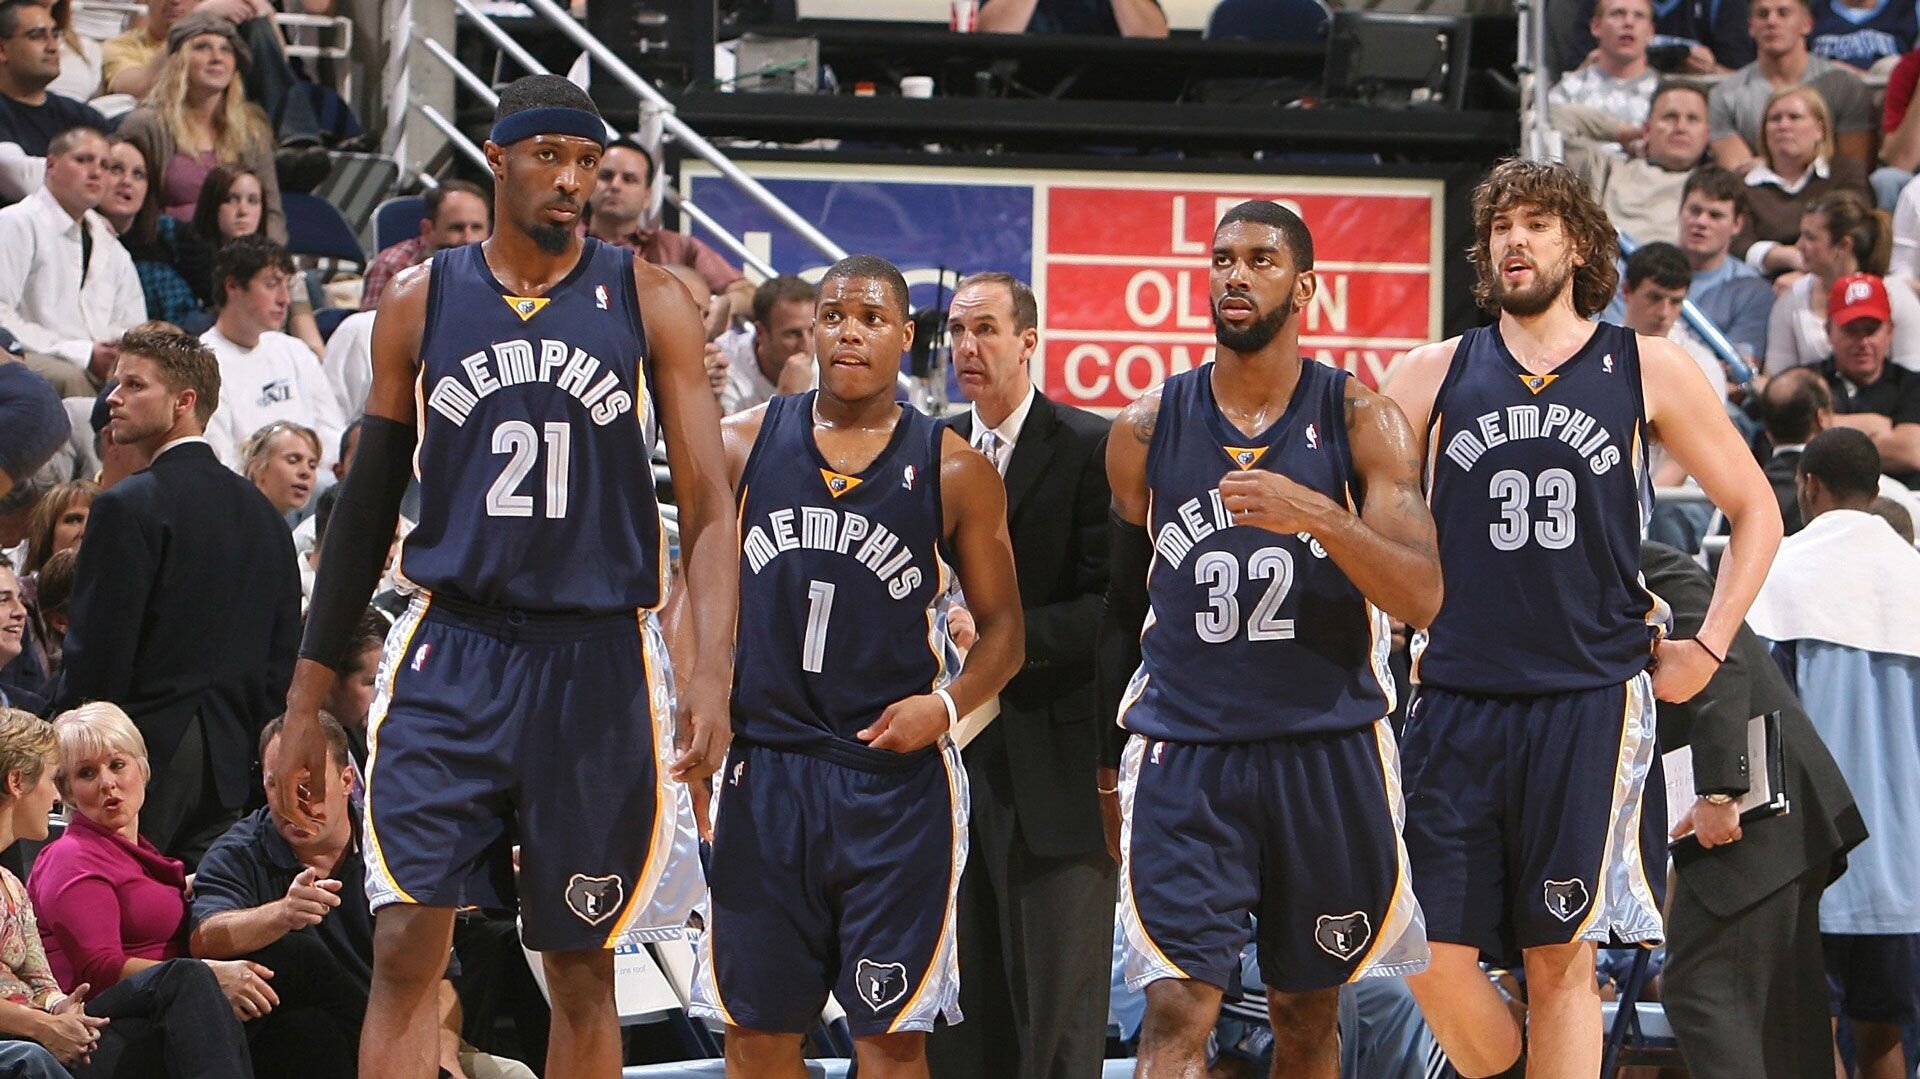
<point x="1300" y="22"/>
<point x="397" y="219"/>
<point x="316" y="228"/>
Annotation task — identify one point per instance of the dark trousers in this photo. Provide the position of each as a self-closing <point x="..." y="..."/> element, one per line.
<point x="1036" y="944"/>
<point x="1747" y="995"/>
<point x="315" y="1030"/>
<point x="184" y="813"/>
<point x="26" y="1060"/>
<point x="168" y="1020"/>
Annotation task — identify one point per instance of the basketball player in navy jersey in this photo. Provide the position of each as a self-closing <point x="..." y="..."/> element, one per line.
<point x="840" y="825"/>
<point x="523" y="696"/>
<point x="1535" y="814"/>
<point x="1267" y="509"/>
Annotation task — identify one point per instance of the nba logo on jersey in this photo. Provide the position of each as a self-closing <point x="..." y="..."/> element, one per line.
<point x="600" y="297"/>
<point x="906" y="477"/>
<point x="420" y="657"/>
<point x="1606" y="363"/>
<point x="739" y="769"/>
<point x="1158" y="748"/>
<point x="1313" y="437"/>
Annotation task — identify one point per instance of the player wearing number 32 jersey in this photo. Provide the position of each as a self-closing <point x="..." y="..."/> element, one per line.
<point x="840" y="823"/>
<point x="1269" y="507"/>
<point x="524" y="695"/>
<point x="1535" y="815"/>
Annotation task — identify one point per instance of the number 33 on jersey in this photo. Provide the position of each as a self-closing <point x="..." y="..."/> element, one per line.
<point x="536" y="435"/>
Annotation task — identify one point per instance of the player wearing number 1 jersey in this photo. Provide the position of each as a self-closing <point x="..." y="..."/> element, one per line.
<point x="840" y="824"/>
<point x="1277" y="501"/>
<point x="523" y="697"/>
<point x="1534" y="808"/>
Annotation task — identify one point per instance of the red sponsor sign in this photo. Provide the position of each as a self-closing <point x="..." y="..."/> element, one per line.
<point x="1124" y="294"/>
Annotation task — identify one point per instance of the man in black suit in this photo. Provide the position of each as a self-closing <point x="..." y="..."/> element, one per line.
<point x="1745" y="982"/>
<point x="1037" y="900"/>
<point x="1795" y="405"/>
<point x="186" y="604"/>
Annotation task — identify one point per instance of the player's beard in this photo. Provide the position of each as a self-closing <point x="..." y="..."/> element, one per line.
<point x="552" y="239"/>
<point x="1251" y="338"/>
<point x="1530" y="300"/>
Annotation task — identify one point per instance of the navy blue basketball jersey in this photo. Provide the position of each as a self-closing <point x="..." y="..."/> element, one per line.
<point x="1540" y="493"/>
<point x="838" y="578"/>
<point x="536" y="431"/>
<point x="1251" y="635"/>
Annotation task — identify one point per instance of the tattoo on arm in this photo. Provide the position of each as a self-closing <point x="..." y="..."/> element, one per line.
<point x="1143" y="423"/>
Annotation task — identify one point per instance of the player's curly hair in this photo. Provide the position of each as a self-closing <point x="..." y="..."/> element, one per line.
<point x="1552" y="188"/>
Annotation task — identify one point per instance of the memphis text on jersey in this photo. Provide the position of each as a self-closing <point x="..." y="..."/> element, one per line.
<point x="512" y="363"/>
<point x="1517" y="423"/>
<point x="824" y="529"/>
<point x="1192" y="524"/>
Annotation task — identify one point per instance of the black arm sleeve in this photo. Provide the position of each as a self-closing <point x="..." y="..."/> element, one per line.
<point x="359" y="535"/>
<point x="1126" y="612"/>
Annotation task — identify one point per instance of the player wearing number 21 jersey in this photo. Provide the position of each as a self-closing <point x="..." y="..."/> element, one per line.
<point x="840" y="823"/>
<point x="1270" y="508"/>
<point x="1535" y="818"/>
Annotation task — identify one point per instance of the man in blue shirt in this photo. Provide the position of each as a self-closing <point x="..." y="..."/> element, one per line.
<point x="1114" y="18"/>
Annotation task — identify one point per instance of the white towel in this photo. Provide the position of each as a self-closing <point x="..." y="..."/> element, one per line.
<point x="1847" y="579"/>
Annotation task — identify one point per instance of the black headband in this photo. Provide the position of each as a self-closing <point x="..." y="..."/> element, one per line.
<point x="549" y="120"/>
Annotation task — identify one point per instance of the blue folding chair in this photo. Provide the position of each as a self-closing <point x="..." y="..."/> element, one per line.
<point x="1637" y="1030"/>
<point x="317" y="229"/>
<point x="397" y="219"/>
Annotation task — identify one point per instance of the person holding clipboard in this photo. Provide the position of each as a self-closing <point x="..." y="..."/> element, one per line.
<point x="1745" y="984"/>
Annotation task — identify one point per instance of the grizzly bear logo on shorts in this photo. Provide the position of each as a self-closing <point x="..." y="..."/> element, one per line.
<point x="594" y="899"/>
<point x="1342" y="935"/>
<point x="1567" y="898"/>
<point x="880" y="984"/>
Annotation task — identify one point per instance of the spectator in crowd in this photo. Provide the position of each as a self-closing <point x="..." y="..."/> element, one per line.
<point x="1713" y="210"/>
<point x="33" y="423"/>
<point x="1745" y="983"/>
<point x="1653" y="288"/>
<point x="1899" y="136"/>
<point x="187" y="609"/>
<point x="1619" y="83"/>
<point x="266" y="375"/>
<point x="1740" y="102"/>
<point x="198" y="117"/>
<point x="172" y="262"/>
<point x="130" y="62"/>
<point x="1642" y="194"/>
<point x="1714" y="33"/>
<point x="31" y="112"/>
<point x="68" y="290"/>
<point x="281" y="459"/>
<point x="1839" y="606"/>
<point x="1797" y="166"/>
<point x="172" y="1014"/>
<point x="59" y="521"/>
<point x="1795" y="406"/>
<point x="1862" y="33"/>
<point x="1896" y="514"/>
<point x="1841" y="234"/>
<point x="232" y="204"/>
<point x="79" y="76"/>
<point x="13" y="641"/>
<point x="1113" y="18"/>
<point x="136" y="62"/>
<point x="457" y="213"/>
<point x="623" y="200"/>
<point x="112" y="906"/>
<point x="351" y="699"/>
<point x="779" y="355"/>
<point x="290" y="898"/>
<point x="1871" y="395"/>
<point x="53" y="596"/>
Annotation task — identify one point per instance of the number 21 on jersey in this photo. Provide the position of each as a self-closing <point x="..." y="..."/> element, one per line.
<point x="519" y="442"/>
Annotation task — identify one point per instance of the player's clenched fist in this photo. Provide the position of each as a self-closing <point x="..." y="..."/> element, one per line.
<point x="1271" y="501"/>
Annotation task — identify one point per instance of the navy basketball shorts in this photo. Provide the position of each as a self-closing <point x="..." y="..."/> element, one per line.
<point x="831" y="878"/>
<point x="1302" y="832"/>
<point x="1874" y="978"/>
<point x="1537" y="820"/>
<point x="492" y="727"/>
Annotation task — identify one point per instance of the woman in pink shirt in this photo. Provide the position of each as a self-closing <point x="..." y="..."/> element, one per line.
<point x="169" y="1011"/>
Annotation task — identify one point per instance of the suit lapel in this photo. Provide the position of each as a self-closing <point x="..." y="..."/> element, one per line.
<point x="1032" y="452"/>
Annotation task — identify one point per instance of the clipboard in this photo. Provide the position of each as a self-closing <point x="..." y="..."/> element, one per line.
<point x="1767" y="797"/>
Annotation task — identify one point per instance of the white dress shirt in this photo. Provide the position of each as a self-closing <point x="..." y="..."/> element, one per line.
<point x="276" y="379"/>
<point x="999" y="448"/>
<point x="43" y="299"/>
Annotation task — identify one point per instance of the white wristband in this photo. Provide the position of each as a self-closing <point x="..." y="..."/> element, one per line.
<point x="953" y="714"/>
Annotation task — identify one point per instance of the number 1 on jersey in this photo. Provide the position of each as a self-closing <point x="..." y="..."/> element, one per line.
<point x="813" y="648"/>
<point x="518" y="437"/>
